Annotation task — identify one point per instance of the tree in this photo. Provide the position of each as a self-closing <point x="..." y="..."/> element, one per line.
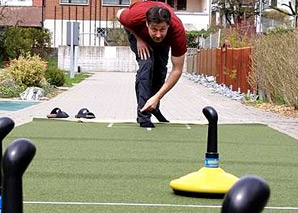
<point x="19" y="41"/>
<point x="236" y="11"/>
<point x="292" y="13"/>
<point x="3" y="11"/>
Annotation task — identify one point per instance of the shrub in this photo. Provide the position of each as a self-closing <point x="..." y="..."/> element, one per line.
<point x="47" y="87"/>
<point x="117" y="37"/>
<point x="9" y="88"/>
<point x="19" y="41"/>
<point x="274" y="67"/>
<point x="41" y="42"/>
<point x="279" y="30"/>
<point x="16" y="42"/>
<point x="193" y="37"/>
<point x="27" y="71"/>
<point x="55" y="76"/>
<point x="276" y="15"/>
<point x="235" y="38"/>
<point x="2" y="48"/>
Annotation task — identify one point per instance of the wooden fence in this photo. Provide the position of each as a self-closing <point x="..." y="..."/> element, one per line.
<point x="230" y="66"/>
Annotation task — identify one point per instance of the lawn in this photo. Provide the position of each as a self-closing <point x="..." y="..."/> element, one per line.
<point x="102" y="167"/>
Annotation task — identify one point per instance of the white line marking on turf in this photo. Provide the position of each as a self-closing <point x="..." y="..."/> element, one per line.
<point x="145" y="204"/>
<point x="110" y="125"/>
<point x="282" y="208"/>
<point x="149" y="129"/>
<point x="187" y="126"/>
<point x="120" y="204"/>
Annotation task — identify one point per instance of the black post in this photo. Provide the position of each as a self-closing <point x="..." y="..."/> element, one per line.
<point x="6" y="125"/>
<point x="15" y="161"/>
<point x="211" y="159"/>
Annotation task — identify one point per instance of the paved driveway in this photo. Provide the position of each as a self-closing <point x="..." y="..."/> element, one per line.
<point x="110" y="96"/>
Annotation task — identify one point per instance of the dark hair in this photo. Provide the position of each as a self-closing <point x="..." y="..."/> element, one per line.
<point x="158" y="14"/>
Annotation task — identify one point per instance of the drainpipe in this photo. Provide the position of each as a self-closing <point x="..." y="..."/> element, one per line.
<point x="295" y="17"/>
<point x="42" y="11"/>
<point x="260" y="26"/>
<point x="210" y="12"/>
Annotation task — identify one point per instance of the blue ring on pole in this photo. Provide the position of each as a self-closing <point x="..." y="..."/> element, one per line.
<point x="212" y="162"/>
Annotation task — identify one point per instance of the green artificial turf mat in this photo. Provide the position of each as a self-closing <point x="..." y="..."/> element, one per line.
<point x="94" y="163"/>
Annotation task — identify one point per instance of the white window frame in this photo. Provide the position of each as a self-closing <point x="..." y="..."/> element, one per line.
<point x="70" y="3"/>
<point x="16" y="2"/>
<point x="115" y="5"/>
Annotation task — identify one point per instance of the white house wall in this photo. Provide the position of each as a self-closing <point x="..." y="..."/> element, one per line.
<point x="88" y="36"/>
<point x="280" y="2"/>
<point x="194" y="20"/>
<point x="106" y="59"/>
<point x="197" y="6"/>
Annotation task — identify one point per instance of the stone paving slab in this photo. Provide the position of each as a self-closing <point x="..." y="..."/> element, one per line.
<point x="111" y="97"/>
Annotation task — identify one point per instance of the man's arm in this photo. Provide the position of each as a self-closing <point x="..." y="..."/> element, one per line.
<point x="119" y="13"/>
<point x="168" y="85"/>
<point x="142" y="47"/>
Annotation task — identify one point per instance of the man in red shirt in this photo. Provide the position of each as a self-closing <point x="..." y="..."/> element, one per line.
<point x="153" y="28"/>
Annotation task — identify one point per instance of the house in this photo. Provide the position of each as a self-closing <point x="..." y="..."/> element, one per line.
<point x="94" y="16"/>
<point x="243" y="12"/>
<point x="25" y="13"/>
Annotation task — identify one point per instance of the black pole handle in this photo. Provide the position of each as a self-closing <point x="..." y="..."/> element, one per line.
<point x="6" y="125"/>
<point x="212" y="117"/>
<point x="16" y="159"/>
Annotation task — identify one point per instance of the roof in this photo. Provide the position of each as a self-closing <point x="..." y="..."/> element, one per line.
<point x="21" y="16"/>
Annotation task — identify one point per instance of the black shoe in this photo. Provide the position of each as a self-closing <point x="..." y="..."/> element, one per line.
<point x="147" y="124"/>
<point x="159" y="116"/>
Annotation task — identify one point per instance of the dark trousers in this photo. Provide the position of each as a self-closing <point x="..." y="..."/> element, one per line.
<point x="150" y="76"/>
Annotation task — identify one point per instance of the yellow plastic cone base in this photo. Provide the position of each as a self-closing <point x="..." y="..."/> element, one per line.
<point x="206" y="180"/>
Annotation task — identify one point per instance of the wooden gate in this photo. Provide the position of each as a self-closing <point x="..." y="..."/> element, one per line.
<point x="230" y="66"/>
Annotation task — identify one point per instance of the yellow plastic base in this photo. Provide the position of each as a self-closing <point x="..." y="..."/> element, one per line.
<point x="206" y="180"/>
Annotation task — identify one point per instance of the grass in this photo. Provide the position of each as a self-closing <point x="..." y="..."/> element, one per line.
<point x="69" y="82"/>
<point x="90" y="162"/>
<point x="11" y="91"/>
<point x="53" y="62"/>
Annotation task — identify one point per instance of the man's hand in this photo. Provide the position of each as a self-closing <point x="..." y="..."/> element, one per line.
<point x="142" y="46"/>
<point x="143" y="49"/>
<point x="170" y="82"/>
<point x="150" y="104"/>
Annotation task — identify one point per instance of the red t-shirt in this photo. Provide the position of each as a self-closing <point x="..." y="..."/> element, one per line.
<point x="134" y="18"/>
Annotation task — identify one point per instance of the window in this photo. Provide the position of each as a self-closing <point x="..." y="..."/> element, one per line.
<point x="16" y="2"/>
<point x="274" y="3"/>
<point x="176" y="4"/>
<point x="116" y="2"/>
<point x="101" y="32"/>
<point x="181" y="5"/>
<point x="75" y="2"/>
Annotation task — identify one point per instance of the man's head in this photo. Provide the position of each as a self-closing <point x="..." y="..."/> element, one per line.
<point x="158" y="21"/>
